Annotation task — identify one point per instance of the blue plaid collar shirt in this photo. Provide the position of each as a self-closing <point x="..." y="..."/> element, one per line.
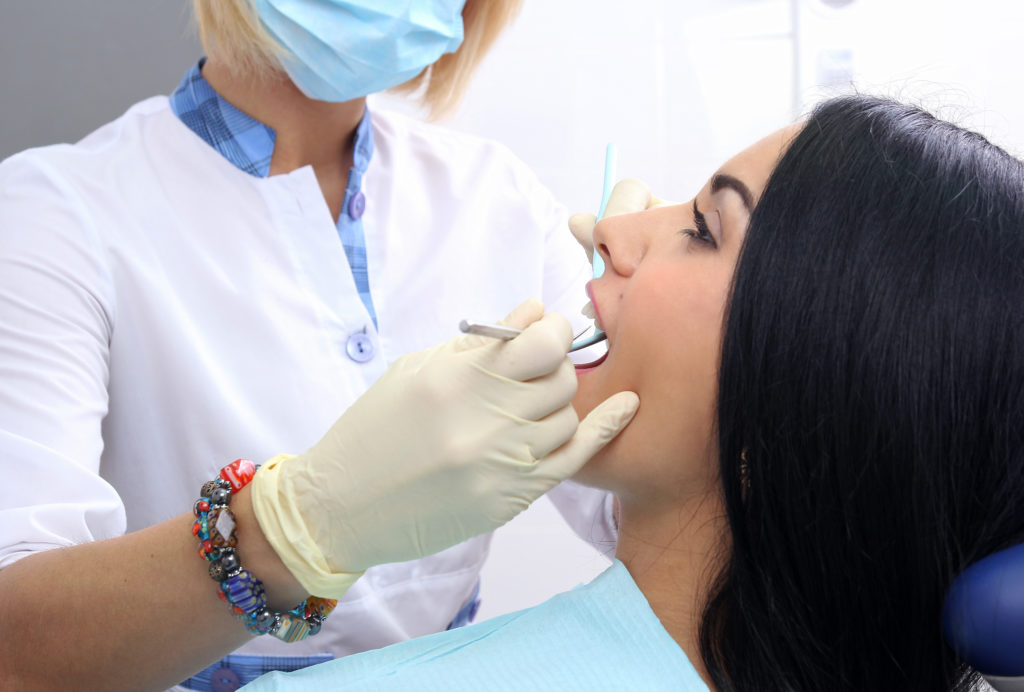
<point x="249" y="145"/>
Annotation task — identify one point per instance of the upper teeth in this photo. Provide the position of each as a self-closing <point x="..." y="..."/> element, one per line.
<point x="589" y="311"/>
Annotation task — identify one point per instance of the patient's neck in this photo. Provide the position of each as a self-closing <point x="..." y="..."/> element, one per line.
<point x="672" y="552"/>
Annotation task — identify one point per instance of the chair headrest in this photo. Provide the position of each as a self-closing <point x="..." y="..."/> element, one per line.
<point x="983" y="614"/>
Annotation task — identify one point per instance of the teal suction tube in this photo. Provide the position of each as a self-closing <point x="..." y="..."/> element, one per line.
<point x="597" y="262"/>
<point x="606" y="193"/>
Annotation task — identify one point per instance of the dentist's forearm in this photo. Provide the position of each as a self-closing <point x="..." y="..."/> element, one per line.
<point x="137" y="612"/>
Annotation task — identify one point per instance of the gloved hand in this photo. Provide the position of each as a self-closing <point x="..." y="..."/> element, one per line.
<point x="628" y="196"/>
<point x="449" y="443"/>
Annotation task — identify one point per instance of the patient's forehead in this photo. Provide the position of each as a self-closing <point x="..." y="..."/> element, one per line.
<point x="754" y="165"/>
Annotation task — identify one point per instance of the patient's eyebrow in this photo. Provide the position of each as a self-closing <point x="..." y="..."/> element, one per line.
<point x="722" y="180"/>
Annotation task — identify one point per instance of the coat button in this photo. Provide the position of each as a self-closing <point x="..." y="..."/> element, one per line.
<point x="360" y="347"/>
<point x="224" y="680"/>
<point x="357" y="205"/>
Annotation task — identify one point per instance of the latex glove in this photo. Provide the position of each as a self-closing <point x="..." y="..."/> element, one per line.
<point x="449" y="443"/>
<point x="628" y="196"/>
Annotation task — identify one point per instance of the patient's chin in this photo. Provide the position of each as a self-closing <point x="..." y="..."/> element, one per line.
<point x="587" y="397"/>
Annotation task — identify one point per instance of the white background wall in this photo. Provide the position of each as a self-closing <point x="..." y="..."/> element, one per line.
<point x="678" y="85"/>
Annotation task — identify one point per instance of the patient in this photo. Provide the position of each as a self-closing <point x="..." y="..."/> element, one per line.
<point x="828" y="345"/>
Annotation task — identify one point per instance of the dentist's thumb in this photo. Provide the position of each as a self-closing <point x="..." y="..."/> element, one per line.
<point x="595" y="431"/>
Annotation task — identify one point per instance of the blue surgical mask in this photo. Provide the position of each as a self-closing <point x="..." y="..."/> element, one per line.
<point x="341" y="50"/>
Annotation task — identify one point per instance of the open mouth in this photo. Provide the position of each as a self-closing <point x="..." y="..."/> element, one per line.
<point x="591" y="310"/>
<point x="583" y="367"/>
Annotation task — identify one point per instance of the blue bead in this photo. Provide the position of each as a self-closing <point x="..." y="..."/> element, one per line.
<point x="245" y="591"/>
<point x="264" y="620"/>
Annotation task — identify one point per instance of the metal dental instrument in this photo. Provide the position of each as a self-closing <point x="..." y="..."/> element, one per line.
<point x="499" y="331"/>
<point x="496" y="331"/>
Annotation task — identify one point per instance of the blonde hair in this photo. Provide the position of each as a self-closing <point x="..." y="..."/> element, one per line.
<point x="232" y="29"/>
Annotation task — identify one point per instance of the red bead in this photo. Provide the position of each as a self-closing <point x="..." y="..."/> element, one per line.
<point x="222" y="596"/>
<point x="319" y="606"/>
<point x="204" y="506"/>
<point x="196" y="526"/>
<point x="238" y="473"/>
<point x="207" y="546"/>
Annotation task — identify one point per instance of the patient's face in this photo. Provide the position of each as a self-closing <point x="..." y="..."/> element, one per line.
<point x="661" y="301"/>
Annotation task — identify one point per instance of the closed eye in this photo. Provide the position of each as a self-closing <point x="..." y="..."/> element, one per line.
<point x="702" y="233"/>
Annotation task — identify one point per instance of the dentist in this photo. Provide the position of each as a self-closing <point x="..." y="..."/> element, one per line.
<point x="230" y="272"/>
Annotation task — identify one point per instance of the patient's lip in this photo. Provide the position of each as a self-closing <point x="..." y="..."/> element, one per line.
<point x="593" y="302"/>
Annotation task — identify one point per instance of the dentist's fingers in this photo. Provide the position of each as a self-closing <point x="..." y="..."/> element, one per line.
<point x="595" y="431"/>
<point x="523" y="315"/>
<point x="538" y="398"/>
<point x="552" y="432"/>
<point x="539" y="350"/>
<point x="582" y="227"/>
<point x="628" y="196"/>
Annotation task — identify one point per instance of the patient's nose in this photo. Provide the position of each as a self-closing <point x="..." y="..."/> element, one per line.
<point x="622" y="242"/>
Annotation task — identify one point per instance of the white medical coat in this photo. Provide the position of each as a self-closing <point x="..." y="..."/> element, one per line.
<point x="163" y="312"/>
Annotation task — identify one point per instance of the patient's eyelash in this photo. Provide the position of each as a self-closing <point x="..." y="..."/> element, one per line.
<point x="703" y="234"/>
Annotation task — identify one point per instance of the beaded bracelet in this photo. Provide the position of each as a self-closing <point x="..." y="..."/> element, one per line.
<point x="215" y="528"/>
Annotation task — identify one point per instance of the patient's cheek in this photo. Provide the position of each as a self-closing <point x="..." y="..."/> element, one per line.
<point x="588" y="395"/>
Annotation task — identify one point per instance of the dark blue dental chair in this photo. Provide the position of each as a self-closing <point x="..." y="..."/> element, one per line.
<point x="983" y="618"/>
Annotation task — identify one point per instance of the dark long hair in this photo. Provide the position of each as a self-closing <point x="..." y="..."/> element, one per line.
<point x="871" y="402"/>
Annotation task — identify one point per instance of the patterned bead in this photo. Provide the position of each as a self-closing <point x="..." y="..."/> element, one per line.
<point x="318" y="606"/>
<point x="207" y="489"/>
<point x="217" y="571"/>
<point x="201" y="527"/>
<point x="265" y="620"/>
<point x="244" y="591"/>
<point x="220" y="496"/>
<point x="238" y="473"/>
<point x="292" y="628"/>
<point x="265" y="616"/>
<point x="222" y="522"/>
